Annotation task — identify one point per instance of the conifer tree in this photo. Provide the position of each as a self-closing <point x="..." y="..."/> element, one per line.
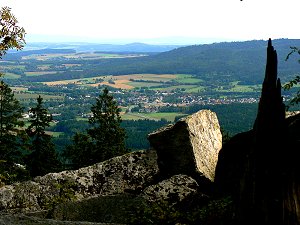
<point x="11" y="36"/>
<point x="79" y="154"/>
<point x="105" y="139"/>
<point x="10" y="124"/>
<point x="107" y="133"/>
<point x="43" y="158"/>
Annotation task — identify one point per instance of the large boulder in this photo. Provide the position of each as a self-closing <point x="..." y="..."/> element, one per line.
<point x="189" y="146"/>
<point x="173" y="190"/>
<point x="175" y="194"/>
<point x="128" y="173"/>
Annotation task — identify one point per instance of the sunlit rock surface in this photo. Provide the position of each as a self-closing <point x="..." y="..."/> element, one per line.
<point x="190" y="146"/>
<point x="128" y="173"/>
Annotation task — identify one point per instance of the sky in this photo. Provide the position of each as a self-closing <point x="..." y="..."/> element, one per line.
<point x="156" y="20"/>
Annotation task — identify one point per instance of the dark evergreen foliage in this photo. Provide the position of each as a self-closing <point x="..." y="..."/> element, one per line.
<point x="10" y="124"/>
<point x="104" y="139"/>
<point x="138" y="130"/>
<point x="79" y="154"/>
<point x="106" y="131"/>
<point x="43" y="158"/>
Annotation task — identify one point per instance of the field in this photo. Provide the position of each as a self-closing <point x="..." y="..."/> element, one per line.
<point x="235" y="87"/>
<point x="159" y="82"/>
<point x="68" y="63"/>
<point x="11" y="76"/>
<point x="170" y="116"/>
<point x="19" y="89"/>
<point x="38" y="73"/>
<point x="83" y="56"/>
<point x="162" y="82"/>
<point x="29" y="96"/>
<point x="54" y="134"/>
<point x="120" y="79"/>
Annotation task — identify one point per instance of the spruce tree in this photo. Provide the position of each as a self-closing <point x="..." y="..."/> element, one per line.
<point x="10" y="124"/>
<point x="11" y="36"/>
<point x="79" y="154"/>
<point x="106" y="131"/>
<point x="105" y="139"/>
<point x="43" y="158"/>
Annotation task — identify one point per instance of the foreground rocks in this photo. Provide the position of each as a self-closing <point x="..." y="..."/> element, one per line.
<point x="173" y="190"/>
<point x="190" y="146"/>
<point x="129" y="173"/>
<point x="143" y="187"/>
<point x="260" y="168"/>
<point x="124" y="208"/>
<point x="19" y="219"/>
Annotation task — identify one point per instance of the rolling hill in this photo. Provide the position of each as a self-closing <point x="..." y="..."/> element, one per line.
<point x="217" y="63"/>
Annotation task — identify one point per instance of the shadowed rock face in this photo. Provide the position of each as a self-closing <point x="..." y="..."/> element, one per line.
<point x="172" y="190"/>
<point x="8" y="219"/>
<point x="111" y="189"/>
<point x="260" y="167"/>
<point x="190" y="146"/>
<point x="260" y="196"/>
<point x="177" y="192"/>
<point x="128" y="173"/>
<point x="270" y="126"/>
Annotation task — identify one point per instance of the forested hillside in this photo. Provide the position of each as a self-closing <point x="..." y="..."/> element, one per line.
<point x="219" y="62"/>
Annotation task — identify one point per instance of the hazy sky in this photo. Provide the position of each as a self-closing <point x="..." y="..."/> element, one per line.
<point x="146" y="19"/>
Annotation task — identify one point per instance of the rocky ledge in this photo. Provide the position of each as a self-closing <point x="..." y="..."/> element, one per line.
<point x="129" y="188"/>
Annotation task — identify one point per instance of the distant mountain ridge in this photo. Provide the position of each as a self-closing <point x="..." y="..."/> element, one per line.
<point x="242" y="60"/>
<point x="214" y="63"/>
<point x="91" y="47"/>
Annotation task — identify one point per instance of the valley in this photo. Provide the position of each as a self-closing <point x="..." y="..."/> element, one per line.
<point x="147" y="85"/>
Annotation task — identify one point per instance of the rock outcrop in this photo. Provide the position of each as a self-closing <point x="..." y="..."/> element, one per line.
<point x="260" y="168"/>
<point x="115" y="191"/>
<point x="20" y="219"/>
<point x="190" y="146"/>
<point x="128" y="173"/>
<point x="261" y="188"/>
<point x="173" y="190"/>
<point x="122" y="208"/>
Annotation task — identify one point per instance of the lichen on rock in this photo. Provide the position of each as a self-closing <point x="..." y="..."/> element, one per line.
<point x="131" y="172"/>
<point x="189" y="146"/>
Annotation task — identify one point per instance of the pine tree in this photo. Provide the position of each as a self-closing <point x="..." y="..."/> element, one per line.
<point x="79" y="154"/>
<point x="43" y="158"/>
<point x="11" y="36"/>
<point x="104" y="140"/>
<point x="10" y="124"/>
<point x="107" y="133"/>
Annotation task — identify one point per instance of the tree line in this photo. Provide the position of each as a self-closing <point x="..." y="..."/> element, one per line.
<point x="27" y="150"/>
